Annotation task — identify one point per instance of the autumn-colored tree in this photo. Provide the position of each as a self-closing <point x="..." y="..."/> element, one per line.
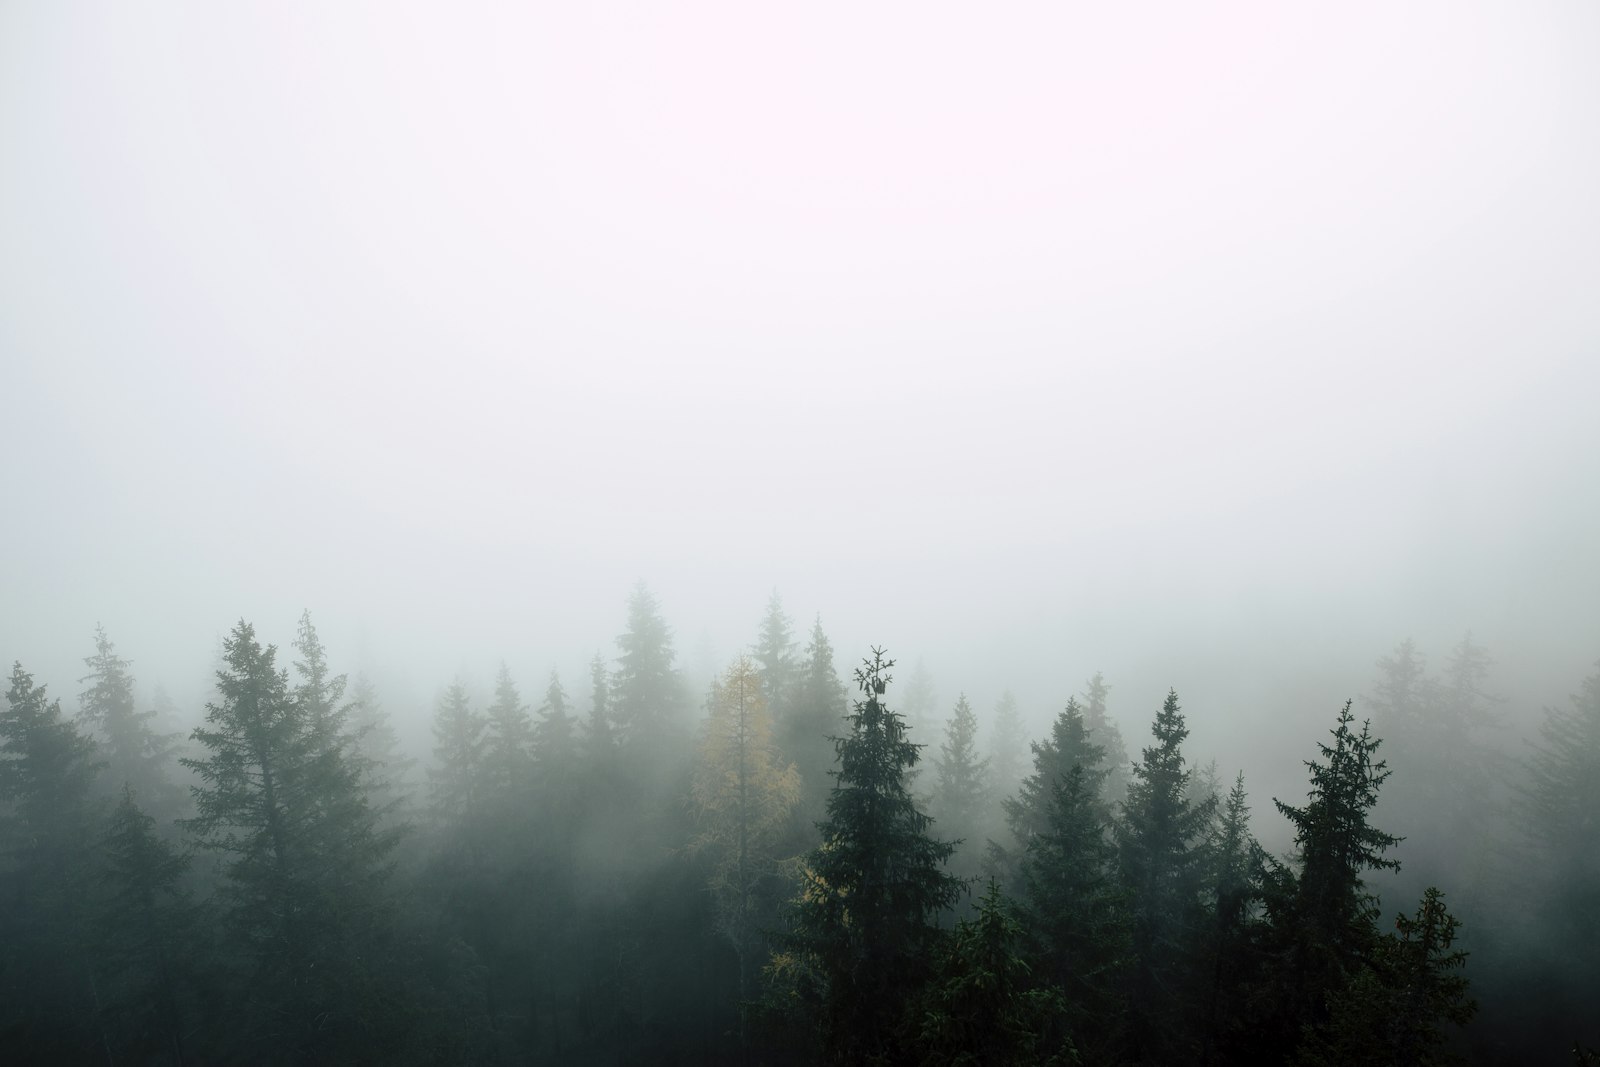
<point x="743" y="792"/>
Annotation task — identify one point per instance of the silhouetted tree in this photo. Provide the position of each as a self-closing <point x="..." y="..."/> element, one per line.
<point x="135" y="754"/>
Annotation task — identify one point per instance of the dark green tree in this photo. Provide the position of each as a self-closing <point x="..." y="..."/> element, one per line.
<point x="47" y="871"/>
<point x="863" y="926"/>
<point x="1322" y="919"/>
<point x="149" y="939"/>
<point x="983" y="1005"/>
<point x="1028" y="813"/>
<point x="280" y="801"/>
<point x="1160" y="852"/>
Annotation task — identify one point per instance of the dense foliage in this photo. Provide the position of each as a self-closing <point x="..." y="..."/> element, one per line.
<point x="619" y="877"/>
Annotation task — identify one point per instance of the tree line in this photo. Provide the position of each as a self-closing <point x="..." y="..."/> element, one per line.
<point x="776" y="873"/>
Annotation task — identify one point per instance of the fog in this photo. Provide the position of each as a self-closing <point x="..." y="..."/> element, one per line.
<point x="1216" y="348"/>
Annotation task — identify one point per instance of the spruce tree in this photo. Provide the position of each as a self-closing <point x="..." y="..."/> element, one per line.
<point x="280" y="801"/>
<point x="1322" y="918"/>
<point x="456" y="778"/>
<point x="1028" y="813"/>
<point x="1008" y="747"/>
<point x="863" y="925"/>
<point x="774" y="655"/>
<point x="508" y="745"/>
<point x="1160" y="853"/>
<point x="47" y="872"/>
<point x="648" y="700"/>
<point x="815" y="715"/>
<point x="1106" y="734"/>
<point x="388" y="768"/>
<point x="135" y="755"/>
<point x="960" y="794"/>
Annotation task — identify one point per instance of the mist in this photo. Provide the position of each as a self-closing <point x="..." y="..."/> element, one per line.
<point x="1217" y="351"/>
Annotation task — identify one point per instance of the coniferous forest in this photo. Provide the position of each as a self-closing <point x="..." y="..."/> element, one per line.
<point x="778" y="870"/>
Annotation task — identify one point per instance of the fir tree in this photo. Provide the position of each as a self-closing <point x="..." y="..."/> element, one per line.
<point x="1028" y="813"/>
<point x="1008" y="747"/>
<point x="1160" y="838"/>
<point x="280" y="801"/>
<point x="648" y="698"/>
<point x="508" y="743"/>
<point x="599" y="736"/>
<point x="863" y="926"/>
<point x="815" y="715"/>
<point x="1106" y="734"/>
<point x="774" y="655"/>
<point x="960" y="796"/>
<point x="456" y="778"/>
<point x="135" y="754"/>
<point x="380" y="752"/>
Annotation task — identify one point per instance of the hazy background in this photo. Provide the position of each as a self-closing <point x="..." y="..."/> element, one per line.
<point x="1219" y="347"/>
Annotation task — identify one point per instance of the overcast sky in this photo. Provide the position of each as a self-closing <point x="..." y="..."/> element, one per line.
<point x="1188" y="342"/>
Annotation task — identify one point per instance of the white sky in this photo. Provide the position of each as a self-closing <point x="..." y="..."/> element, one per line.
<point x="1131" y="336"/>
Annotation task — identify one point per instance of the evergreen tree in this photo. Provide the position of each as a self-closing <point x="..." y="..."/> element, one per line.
<point x="960" y="797"/>
<point x="554" y="740"/>
<point x="862" y="928"/>
<point x="648" y="698"/>
<point x="1028" y="813"/>
<point x="280" y="801"/>
<point x="147" y="940"/>
<point x="135" y="754"/>
<point x="599" y="736"/>
<point x="1160" y="839"/>
<point x="1237" y="864"/>
<point x="379" y="750"/>
<point x="47" y="772"/>
<point x="320" y="692"/>
<point x="983" y="1006"/>
<point x="743" y="794"/>
<point x="456" y="779"/>
<point x="774" y="655"/>
<point x="1106" y="734"/>
<point x="806" y="732"/>
<point x="1008" y="747"/>
<point x="508" y="744"/>
<point x="1323" y="920"/>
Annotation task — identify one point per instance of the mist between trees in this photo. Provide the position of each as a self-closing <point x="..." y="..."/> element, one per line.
<point x="811" y="861"/>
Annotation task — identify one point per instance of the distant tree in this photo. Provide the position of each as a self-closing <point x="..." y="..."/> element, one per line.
<point x="47" y="820"/>
<point x="320" y="693"/>
<point x="960" y="793"/>
<point x="1008" y="747"/>
<point x="806" y="730"/>
<point x="1027" y="814"/>
<point x="920" y="700"/>
<point x="1106" y="734"/>
<point x="135" y="754"/>
<point x="456" y="779"/>
<point x="983" y="1006"/>
<point x="508" y="744"/>
<point x="774" y="655"/>
<point x="280" y="800"/>
<point x="1160" y="851"/>
<point x="554" y="734"/>
<point x="649" y="704"/>
<point x="743" y="793"/>
<point x="1237" y="866"/>
<point x="388" y="768"/>
<point x="862" y="928"/>
<point x="599" y="734"/>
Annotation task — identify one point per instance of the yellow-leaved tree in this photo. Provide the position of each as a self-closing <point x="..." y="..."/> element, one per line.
<point x="743" y="793"/>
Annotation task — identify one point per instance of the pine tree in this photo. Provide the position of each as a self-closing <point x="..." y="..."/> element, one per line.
<point x="280" y="801"/>
<point x="320" y="692"/>
<point x="1008" y="747"/>
<point x="1236" y="865"/>
<point x="456" y="779"/>
<point x="147" y="935"/>
<point x="862" y="927"/>
<point x="47" y="773"/>
<point x="960" y="796"/>
<point x="554" y="740"/>
<point x="508" y="745"/>
<point x="378" y="747"/>
<point x="1160" y="838"/>
<point x="648" y="697"/>
<point x="135" y="754"/>
<point x="774" y="655"/>
<point x="983" y="1006"/>
<point x="1028" y="813"/>
<point x="1106" y="734"/>
<point x="1323" y="920"/>
<point x="743" y="793"/>
<point x="814" y="717"/>
<point x="599" y="740"/>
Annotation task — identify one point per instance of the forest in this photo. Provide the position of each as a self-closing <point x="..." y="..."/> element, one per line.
<point x="795" y="866"/>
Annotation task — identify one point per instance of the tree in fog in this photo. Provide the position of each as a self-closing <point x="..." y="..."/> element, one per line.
<point x="774" y="655"/>
<point x="814" y="716"/>
<point x="1160" y="838"/>
<point x="280" y="801"/>
<point x="148" y="938"/>
<point x="743" y="793"/>
<point x="862" y="934"/>
<point x="47" y="772"/>
<point x="388" y="768"/>
<point x="599" y="734"/>
<point x="1323" y="920"/>
<point x="1008" y="747"/>
<point x="1027" y="814"/>
<point x="135" y="754"/>
<point x="508" y="744"/>
<point x="320" y="692"/>
<point x="456" y="778"/>
<point x="959" y="804"/>
<point x="648" y="700"/>
<point x="1106" y="734"/>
